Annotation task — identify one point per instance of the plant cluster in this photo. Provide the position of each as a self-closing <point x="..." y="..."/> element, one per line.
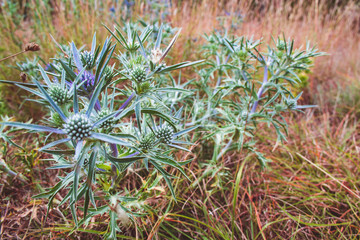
<point x="239" y="103"/>
<point x="111" y="113"/>
<point x="94" y="132"/>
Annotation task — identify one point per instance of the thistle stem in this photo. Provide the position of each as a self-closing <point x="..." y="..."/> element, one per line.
<point x="113" y="147"/>
<point x="260" y="92"/>
<point x="114" y="153"/>
<point x="97" y="106"/>
<point x="223" y="151"/>
<point x="133" y="154"/>
<point x="219" y="77"/>
<point x="126" y="103"/>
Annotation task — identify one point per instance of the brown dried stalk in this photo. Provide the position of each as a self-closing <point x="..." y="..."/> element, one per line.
<point x="32" y="47"/>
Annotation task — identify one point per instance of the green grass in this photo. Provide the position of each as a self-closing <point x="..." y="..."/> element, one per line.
<point x="309" y="191"/>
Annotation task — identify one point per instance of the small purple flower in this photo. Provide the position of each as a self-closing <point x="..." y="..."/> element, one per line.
<point x="112" y="9"/>
<point x="89" y="81"/>
<point x="48" y="68"/>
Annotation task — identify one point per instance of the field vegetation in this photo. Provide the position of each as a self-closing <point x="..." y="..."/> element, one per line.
<point x="253" y="185"/>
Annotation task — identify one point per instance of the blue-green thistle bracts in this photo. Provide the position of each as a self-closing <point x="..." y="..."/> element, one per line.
<point x="78" y="127"/>
<point x="58" y="94"/>
<point x="88" y="59"/>
<point x="138" y="73"/>
<point x="147" y="142"/>
<point x="108" y="124"/>
<point x="165" y="134"/>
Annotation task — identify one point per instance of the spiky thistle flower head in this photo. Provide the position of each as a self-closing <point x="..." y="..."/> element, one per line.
<point x="291" y="103"/>
<point x="108" y="73"/>
<point x="78" y="127"/>
<point x="165" y="134"/>
<point x="138" y="73"/>
<point x="147" y="142"/>
<point x="108" y="124"/>
<point x="281" y="45"/>
<point x="87" y="59"/>
<point x="279" y="107"/>
<point x="89" y="80"/>
<point x="242" y="54"/>
<point x="58" y="94"/>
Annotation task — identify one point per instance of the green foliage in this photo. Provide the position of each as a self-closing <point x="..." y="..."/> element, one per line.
<point x="97" y="130"/>
<point x="240" y="103"/>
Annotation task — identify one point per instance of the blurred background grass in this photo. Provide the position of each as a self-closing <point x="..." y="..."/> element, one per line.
<point x="291" y="200"/>
<point x="333" y="25"/>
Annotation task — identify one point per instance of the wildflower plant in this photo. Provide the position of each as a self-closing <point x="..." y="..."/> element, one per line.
<point x="240" y="102"/>
<point x="28" y="66"/>
<point x="99" y="130"/>
<point x="93" y="132"/>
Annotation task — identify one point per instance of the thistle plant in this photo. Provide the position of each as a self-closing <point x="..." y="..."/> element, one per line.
<point x="28" y="66"/>
<point x="97" y="129"/>
<point x="240" y="102"/>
